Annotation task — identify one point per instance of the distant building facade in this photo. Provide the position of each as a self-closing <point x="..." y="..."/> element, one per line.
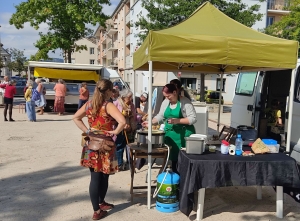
<point x="89" y="56"/>
<point x="5" y="59"/>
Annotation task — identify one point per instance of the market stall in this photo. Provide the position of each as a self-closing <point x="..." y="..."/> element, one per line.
<point x="210" y="42"/>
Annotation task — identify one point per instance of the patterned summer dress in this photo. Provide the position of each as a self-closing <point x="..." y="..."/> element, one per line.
<point x="101" y="162"/>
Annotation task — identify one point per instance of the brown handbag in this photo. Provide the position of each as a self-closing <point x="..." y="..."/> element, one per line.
<point x="102" y="143"/>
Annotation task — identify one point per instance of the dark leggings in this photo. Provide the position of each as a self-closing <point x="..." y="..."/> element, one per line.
<point x="9" y="107"/>
<point x="174" y="166"/>
<point x="98" y="188"/>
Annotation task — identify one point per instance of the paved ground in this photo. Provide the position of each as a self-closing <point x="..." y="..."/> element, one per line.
<point x="40" y="179"/>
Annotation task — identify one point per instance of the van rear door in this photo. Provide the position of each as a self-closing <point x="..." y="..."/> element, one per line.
<point x="243" y="108"/>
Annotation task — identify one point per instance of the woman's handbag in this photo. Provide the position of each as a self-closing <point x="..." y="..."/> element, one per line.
<point x="97" y="143"/>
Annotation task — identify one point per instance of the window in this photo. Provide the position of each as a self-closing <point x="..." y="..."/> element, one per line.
<point x="219" y="84"/>
<point x="245" y="83"/>
<point x="189" y="83"/>
<point x="92" y="61"/>
<point x="92" y="50"/>
<point x="270" y="20"/>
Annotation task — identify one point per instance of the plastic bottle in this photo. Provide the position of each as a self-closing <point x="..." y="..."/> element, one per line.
<point x="239" y="145"/>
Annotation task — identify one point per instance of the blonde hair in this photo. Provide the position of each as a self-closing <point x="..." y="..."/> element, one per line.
<point x="99" y="95"/>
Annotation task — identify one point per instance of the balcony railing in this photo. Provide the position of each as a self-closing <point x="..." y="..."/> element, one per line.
<point x="278" y="4"/>
<point x="128" y="61"/>
<point x="127" y="41"/>
<point x="111" y="46"/>
<point x="127" y="18"/>
<point x="111" y="29"/>
<point x="112" y="62"/>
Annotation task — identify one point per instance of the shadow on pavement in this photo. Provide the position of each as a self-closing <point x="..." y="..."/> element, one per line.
<point x="36" y="195"/>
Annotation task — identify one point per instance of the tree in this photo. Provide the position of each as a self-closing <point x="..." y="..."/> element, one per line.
<point x="67" y="21"/>
<point x="289" y="25"/>
<point x="166" y="13"/>
<point x="18" y="60"/>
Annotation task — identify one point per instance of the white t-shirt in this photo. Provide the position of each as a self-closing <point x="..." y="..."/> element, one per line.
<point x="2" y="90"/>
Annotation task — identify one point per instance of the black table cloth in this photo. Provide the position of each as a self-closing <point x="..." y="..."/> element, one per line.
<point x="211" y="170"/>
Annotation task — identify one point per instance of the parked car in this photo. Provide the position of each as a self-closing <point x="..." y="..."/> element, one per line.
<point x="211" y="97"/>
<point x="20" y="85"/>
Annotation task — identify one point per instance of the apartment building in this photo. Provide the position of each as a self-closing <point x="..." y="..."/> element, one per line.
<point x="276" y="9"/>
<point x="89" y="56"/>
<point x="112" y="39"/>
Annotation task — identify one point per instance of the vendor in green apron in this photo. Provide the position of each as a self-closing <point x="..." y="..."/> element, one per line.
<point x="178" y="114"/>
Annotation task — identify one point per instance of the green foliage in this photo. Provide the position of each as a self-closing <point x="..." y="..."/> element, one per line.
<point x="167" y="13"/>
<point x="289" y="25"/>
<point x="67" y="21"/>
<point x="18" y="60"/>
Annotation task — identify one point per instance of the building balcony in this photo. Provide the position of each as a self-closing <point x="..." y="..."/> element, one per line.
<point x="112" y="63"/>
<point x="127" y="41"/>
<point x="127" y="18"/>
<point x="128" y="61"/>
<point x="112" y="46"/>
<point x="278" y="5"/>
<point x="112" y="29"/>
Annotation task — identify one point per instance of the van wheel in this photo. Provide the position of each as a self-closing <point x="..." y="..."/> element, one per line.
<point x="49" y="107"/>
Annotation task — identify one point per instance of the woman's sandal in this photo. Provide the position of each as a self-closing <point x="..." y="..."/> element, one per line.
<point x="100" y="215"/>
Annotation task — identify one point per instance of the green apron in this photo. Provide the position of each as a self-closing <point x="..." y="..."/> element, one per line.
<point x="175" y="133"/>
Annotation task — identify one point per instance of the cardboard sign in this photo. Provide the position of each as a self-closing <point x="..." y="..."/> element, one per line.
<point x="258" y="147"/>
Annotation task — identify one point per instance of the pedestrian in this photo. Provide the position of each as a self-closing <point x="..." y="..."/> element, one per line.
<point x="83" y="95"/>
<point x="4" y="81"/>
<point x="126" y="107"/>
<point x="41" y="103"/>
<point x="102" y="117"/>
<point x="10" y="91"/>
<point x="116" y="94"/>
<point x="60" y="93"/>
<point x="30" y="104"/>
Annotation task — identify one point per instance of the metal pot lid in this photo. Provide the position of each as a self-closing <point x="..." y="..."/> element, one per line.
<point x="154" y="132"/>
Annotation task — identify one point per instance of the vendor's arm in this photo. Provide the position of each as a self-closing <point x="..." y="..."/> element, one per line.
<point x="159" y="118"/>
<point x="188" y="112"/>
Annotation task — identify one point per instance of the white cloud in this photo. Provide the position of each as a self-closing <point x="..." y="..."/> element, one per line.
<point x="24" y="39"/>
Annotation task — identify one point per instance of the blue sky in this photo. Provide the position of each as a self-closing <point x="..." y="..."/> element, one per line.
<point x="23" y="39"/>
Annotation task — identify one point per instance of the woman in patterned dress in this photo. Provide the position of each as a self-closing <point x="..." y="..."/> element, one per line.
<point x="102" y="117"/>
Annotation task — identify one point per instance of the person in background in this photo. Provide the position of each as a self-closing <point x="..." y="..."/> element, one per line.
<point x="140" y="103"/>
<point x="84" y="95"/>
<point x="10" y="91"/>
<point x="60" y="93"/>
<point x="180" y="90"/>
<point x="102" y="116"/>
<point x="116" y="94"/>
<point x="41" y="103"/>
<point x="126" y="107"/>
<point x="178" y="115"/>
<point x="5" y="81"/>
<point x="273" y="115"/>
<point x="30" y="105"/>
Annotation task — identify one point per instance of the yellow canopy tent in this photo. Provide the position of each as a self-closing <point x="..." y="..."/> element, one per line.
<point x="211" y="42"/>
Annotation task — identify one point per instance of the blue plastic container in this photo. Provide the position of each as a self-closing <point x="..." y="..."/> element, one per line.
<point x="167" y="199"/>
<point x="269" y="141"/>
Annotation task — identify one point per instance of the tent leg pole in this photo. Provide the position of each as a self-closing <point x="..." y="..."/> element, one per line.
<point x="149" y="133"/>
<point x="220" y="99"/>
<point x="291" y="105"/>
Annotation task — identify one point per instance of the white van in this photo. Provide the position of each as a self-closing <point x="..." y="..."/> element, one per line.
<point x="254" y="92"/>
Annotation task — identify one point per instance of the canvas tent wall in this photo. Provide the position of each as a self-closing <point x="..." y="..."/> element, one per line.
<point x="66" y="71"/>
<point x="210" y="42"/>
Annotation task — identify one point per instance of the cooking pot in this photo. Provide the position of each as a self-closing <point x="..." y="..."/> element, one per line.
<point x="157" y="137"/>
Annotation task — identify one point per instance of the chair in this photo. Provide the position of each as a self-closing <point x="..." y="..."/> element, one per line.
<point x="227" y="133"/>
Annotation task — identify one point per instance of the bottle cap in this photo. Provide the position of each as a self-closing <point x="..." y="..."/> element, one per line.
<point x="225" y="142"/>
<point x="239" y="136"/>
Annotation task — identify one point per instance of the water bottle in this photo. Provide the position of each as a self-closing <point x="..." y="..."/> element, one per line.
<point x="239" y="145"/>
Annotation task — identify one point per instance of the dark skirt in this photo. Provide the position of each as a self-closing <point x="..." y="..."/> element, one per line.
<point x="59" y="104"/>
<point x="8" y="100"/>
